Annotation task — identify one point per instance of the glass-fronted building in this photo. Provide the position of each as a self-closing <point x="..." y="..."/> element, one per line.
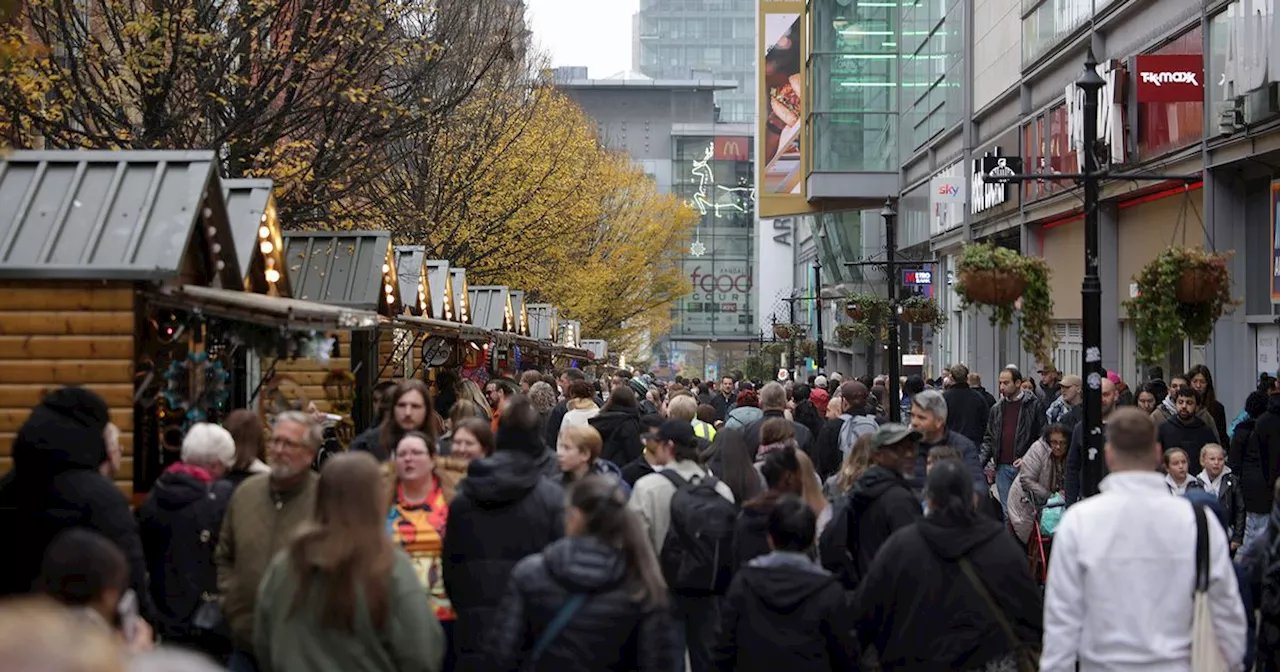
<point x="686" y="39"/>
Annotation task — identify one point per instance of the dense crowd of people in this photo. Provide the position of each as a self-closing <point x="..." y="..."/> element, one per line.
<point x="551" y="522"/>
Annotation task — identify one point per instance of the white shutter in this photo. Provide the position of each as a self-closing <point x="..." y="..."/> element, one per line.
<point x="1068" y="356"/>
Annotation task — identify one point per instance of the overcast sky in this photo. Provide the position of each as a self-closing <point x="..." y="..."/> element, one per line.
<point x="594" y="33"/>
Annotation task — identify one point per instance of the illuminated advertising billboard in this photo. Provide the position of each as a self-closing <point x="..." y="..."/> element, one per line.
<point x="782" y="99"/>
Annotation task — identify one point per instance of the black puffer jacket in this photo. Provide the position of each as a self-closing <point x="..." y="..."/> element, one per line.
<point x="826" y="449"/>
<point x="370" y="441"/>
<point x="783" y="612"/>
<point x="1244" y="459"/>
<point x="751" y="533"/>
<point x="504" y="511"/>
<point x="620" y="429"/>
<point x="55" y="485"/>
<point x="180" y="523"/>
<point x="609" y="631"/>
<point x="967" y="412"/>
<point x="881" y="503"/>
<point x="923" y="613"/>
<point x="1264" y="448"/>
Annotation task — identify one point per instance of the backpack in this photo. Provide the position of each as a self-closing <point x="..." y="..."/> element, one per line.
<point x="833" y="545"/>
<point x="697" y="555"/>
<point x="853" y="429"/>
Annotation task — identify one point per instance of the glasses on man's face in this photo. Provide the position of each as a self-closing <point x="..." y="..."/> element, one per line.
<point x="285" y="442"/>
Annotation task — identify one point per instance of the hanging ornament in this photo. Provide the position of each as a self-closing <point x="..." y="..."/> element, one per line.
<point x="697" y="249"/>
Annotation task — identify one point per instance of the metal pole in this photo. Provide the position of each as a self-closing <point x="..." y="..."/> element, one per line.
<point x="791" y="342"/>
<point x="821" y="358"/>
<point x="895" y="357"/>
<point x="1091" y="289"/>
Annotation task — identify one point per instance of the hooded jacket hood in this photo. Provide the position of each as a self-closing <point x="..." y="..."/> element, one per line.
<point x="585" y="564"/>
<point x="606" y="421"/>
<point x="63" y="433"/>
<point x="784" y="581"/>
<point x="951" y="541"/>
<point x="177" y="489"/>
<point x="500" y="479"/>
<point x="1196" y="422"/>
<point x="873" y="483"/>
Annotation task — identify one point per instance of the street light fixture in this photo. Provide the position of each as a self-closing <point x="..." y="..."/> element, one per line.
<point x="890" y="217"/>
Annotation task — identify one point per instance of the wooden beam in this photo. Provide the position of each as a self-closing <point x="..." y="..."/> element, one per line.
<point x="6" y="443"/>
<point x="11" y="419"/>
<point x="65" y="298"/>
<point x="66" y="372"/>
<point x="117" y="322"/>
<point x="117" y="395"/>
<point x="66" y="347"/>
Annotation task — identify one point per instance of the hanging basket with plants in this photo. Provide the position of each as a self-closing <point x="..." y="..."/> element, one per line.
<point x="785" y="331"/>
<point x="921" y="309"/>
<point x="848" y="333"/>
<point x="1008" y="283"/>
<point x="806" y="348"/>
<point x="1182" y="293"/>
<point x="775" y="349"/>
<point x="867" y="308"/>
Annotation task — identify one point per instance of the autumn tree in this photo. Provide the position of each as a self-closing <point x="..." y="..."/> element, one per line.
<point x="309" y="92"/>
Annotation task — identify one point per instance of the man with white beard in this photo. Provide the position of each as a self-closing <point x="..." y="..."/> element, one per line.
<point x="264" y="513"/>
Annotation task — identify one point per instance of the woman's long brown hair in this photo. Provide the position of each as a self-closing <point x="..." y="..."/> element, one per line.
<point x="345" y="547"/>
<point x="247" y="431"/>
<point x="607" y="518"/>
<point x="391" y="432"/>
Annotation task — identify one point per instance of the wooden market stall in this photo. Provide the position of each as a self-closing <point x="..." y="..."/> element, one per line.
<point x="350" y="269"/>
<point x="424" y="337"/>
<point x="81" y="234"/>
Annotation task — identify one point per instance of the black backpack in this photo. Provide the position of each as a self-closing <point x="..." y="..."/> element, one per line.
<point x="834" y="547"/>
<point x="697" y="555"/>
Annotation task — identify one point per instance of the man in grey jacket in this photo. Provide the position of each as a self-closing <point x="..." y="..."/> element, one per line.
<point x="1015" y="422"/>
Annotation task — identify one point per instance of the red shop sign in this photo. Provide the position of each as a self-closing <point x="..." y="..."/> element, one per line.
<point x="732" y="148"/>
<point x="1169" y="78"/>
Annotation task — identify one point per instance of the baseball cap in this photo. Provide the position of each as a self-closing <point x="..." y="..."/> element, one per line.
<point x="893" y="433"/>
<point x="820" y="381"/>
<point x="676" y="431"/>
<point x="1072" y="381"/>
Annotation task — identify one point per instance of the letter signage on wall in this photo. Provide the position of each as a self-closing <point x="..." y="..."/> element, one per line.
<point x="1110" y="116"/>
<point x="1275" y="242"/>
<point x="1169" y="78"/>
<point x="985" y="195"/>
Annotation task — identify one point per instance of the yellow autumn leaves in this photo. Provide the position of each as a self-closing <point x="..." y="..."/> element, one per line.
<point x="415" y="116"/>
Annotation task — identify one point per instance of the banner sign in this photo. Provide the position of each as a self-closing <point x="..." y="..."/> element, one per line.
<point x="781" y="132"/>
<point x="1000" y="168"/>
<point x="1169" y="78"/>
<point x="1275" y="242"/>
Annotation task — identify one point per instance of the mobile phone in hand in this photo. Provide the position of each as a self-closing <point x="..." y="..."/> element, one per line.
<point x="127" y="609"/>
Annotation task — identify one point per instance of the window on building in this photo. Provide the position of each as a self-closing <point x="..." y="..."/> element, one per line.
<point x="1164" y="127"/>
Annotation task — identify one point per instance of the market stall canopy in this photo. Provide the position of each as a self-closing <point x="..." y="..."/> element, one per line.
<point x="255" y="227"/>
<point x="491" y="307"/>
<point x="542" y="321"/>
<point x="518" y="313"/>
<point x="352" y="269"/>
<point x="598" y="348"/>
<point x="115" y="215"/>
<point x="245" y="307"/>
<point x="462" y="294"/>
<point x="440" y="282"/>
<point x="415" y="291"/>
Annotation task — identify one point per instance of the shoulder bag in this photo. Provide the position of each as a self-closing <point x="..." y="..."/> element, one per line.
<point x="1027" y="658"/>
<point x="1206" y="655"/>
<point x="556" y="626"/>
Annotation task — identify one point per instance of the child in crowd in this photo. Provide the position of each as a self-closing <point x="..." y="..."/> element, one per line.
<point x="578" y="452"/>
<point x="1176" y="472"/>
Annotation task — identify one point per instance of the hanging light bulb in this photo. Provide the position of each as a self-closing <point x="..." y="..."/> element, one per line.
<point x="264" y="231"/>
<point x="389" y="289"/>
<point x="267" y="247"/>
<point x="273" y="276"/>
<point x="386" y="268"/>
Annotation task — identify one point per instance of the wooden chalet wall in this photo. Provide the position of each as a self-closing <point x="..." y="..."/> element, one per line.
<point x="53" y="335"/>
<point x="309" y="374"/>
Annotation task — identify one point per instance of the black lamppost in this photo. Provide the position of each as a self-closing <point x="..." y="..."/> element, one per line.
<point x="895" y="358"/>
<point x="821" y="357"/>
<point x="1090" y="83"/>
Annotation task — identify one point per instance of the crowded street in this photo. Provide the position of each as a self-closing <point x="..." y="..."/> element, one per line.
<point x="639" y="336"/>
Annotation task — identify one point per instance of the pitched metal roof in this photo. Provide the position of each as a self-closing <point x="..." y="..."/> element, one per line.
<point x="254" y="308"/>
<point x="596" y="347"/>
<point x="440" y="284"/>
<point x="412" y="273"/>
<point x="251" y="206"/>
<point x="490" y="306"/>
<point x="462" y="300"/>
<point x="542" y="321"/>
<point x="342" y="268"/>
<point x="518" y="313"/>
<point x="108" y="215"/>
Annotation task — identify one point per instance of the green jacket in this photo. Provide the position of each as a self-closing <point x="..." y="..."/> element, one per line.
<point x="258" y="525"/>
<point x="412" y="640"/>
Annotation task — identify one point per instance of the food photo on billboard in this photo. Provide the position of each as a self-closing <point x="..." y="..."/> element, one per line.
<point x="783" y="84"/>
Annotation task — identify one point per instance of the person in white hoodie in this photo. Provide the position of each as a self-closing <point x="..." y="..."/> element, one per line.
<point x="1219" y="481"/>
<point x="581" y="405"/>
<point x="1122" y="573"/>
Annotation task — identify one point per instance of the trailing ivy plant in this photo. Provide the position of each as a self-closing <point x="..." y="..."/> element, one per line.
<point x="775" y="349"/>
<point x="1160" y="318"/>
<point x="849" y="332"/>
<point x="922" y="302"/>
<point x="1036" y="330"/>
<point x="805" y="347"/>
<point x="874" y="309"/>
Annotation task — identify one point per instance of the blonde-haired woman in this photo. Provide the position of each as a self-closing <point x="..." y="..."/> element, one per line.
<point x="342" y="596"/>
<point x="857" y="461"/>
<point x="578" y="452"/>
<point x="811" y="490"/>
<point x="469" y="390"/>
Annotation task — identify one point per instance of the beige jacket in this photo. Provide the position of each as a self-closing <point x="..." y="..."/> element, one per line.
<point x="651" y="498"/>
<point x="259" y="523"/>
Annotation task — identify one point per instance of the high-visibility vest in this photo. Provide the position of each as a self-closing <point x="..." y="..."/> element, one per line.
<point x="703" y="431"/>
